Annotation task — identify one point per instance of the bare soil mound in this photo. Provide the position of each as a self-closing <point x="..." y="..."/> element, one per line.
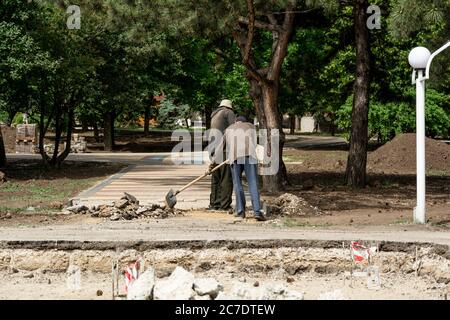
<point x="399" y="155"/>
<point x="291" y="205"/>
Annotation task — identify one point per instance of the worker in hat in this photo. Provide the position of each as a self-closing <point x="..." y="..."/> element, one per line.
<point x="221" y="180"/>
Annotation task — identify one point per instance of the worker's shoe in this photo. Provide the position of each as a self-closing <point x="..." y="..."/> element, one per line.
<point x="260" y="217"/>
<point x="229" y="209"/>
<point x="212" y="208"/>
<point x="240" y="215"/>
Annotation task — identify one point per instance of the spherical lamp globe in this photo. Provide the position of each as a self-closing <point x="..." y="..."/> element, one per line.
<point x="418" y="57"/>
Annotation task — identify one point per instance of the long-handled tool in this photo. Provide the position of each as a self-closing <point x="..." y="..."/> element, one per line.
<point x="171" y="197"/>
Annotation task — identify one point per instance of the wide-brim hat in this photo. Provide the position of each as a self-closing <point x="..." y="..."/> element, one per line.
<point x="226" y="103"/>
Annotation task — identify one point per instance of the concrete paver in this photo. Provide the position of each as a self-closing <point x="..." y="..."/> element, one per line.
<point x="150" y="177"/>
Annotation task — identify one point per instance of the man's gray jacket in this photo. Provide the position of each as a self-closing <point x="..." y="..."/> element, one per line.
<point x="221" y="119"/>
<point x="240" y="140"/>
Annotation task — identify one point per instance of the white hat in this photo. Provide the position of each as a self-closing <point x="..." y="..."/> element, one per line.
<point x="226" y="103"/>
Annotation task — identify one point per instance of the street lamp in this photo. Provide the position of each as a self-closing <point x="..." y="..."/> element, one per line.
<point x="420" y="59"/>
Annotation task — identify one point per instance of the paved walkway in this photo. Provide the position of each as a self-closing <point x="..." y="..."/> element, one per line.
<point x="150" y="177"/>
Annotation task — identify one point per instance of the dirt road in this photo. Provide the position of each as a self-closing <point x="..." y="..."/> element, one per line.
<point x="203" y="226"/>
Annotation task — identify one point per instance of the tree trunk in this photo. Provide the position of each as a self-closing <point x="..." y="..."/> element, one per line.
<point x="96" y="133"/>
<point x="58" y="132"/>
<point x="255" y="93"/>
<point x="292" y="123"/>
<point x="264" y="82"/>
<point x="146" y="120"/>
<point x="108" y="131"/>
<point x="357" y="156"/>
<point x="68" y="147"/>
<point x="273" y="121"/>
<point x="84" y="125"/>
<point x="208" y="111"/>
<point x="11" y="115"/>
<point x="2" y="151"/>
<point x="42" y="131"/>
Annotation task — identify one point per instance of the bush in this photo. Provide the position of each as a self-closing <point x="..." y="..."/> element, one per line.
<point x="169" y="113"/>
<point x="389" y="119"/>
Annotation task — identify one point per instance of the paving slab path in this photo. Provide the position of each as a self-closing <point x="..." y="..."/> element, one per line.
<point x="150" y="177"/>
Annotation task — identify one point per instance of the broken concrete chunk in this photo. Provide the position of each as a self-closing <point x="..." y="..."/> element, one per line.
<point x="332" y="295"/>
<point x="207" y="286"/>
<point x="127" y="208"/>
<point x="272" y="292"/>
<point x="205" y="297"/>
<point x="77" y="208"/>
<point x="142" y="287"/>
<point x="276" y="289"/>
<point x="177" y="287"/>
<point x="223" y="296"/>
<point x="131" y="199"/>
<point x="106" y="212"/>
<point x="141" y="210"/>
<point x="244" y="291"/>
<point x="121" y="204"/>
<point x="293" y="295"/>
<point x="115" y="217"/>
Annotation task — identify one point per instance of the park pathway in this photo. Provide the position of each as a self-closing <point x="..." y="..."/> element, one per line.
<point x="151" y="177"/>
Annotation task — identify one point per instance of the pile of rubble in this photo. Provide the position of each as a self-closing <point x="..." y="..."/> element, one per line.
<point x="79" y="144"/>
<point x="183" y="285"/>
<point x="127" y="208"/>
<point x="291" y="205"/>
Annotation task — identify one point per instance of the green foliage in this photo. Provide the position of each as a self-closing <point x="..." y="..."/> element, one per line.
<point x="437" y="114"/>
<point x="169" y="113"/>
<point x="409" y="16"/>
<point x="389" y="119"/>
<point x="126" y="51"/>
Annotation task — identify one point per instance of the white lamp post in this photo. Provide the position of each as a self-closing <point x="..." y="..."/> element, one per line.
<point x="420" y="59"/>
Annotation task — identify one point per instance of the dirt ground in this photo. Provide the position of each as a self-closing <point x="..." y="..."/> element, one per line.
<point x="314" y="175"/>
<point x="97" y="286"/>
<point x="318" y="177"/>
<point x="47" y="190"/>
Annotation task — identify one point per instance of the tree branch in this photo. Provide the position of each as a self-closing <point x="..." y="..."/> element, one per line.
<point x="281" y="47"/>
<point x="250" y="65"/>
<point x="261" y="25"/>
<point x="222" y="54"/>
<point x="251" y="30"/>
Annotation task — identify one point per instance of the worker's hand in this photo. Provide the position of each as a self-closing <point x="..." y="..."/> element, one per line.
<point x="212" y="166"/>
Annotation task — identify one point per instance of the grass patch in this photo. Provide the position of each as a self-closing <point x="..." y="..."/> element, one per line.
<point x="46" y="190"/>
<point x="438" y="173"/>
<point x="401" y="222"/>
<point x="295" y="223"/>
<point x="293" y="158"/>
<point x="4" y="209"/>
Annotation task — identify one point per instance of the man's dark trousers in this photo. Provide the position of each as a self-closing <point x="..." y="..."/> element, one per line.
<point x="221" y="188"/>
